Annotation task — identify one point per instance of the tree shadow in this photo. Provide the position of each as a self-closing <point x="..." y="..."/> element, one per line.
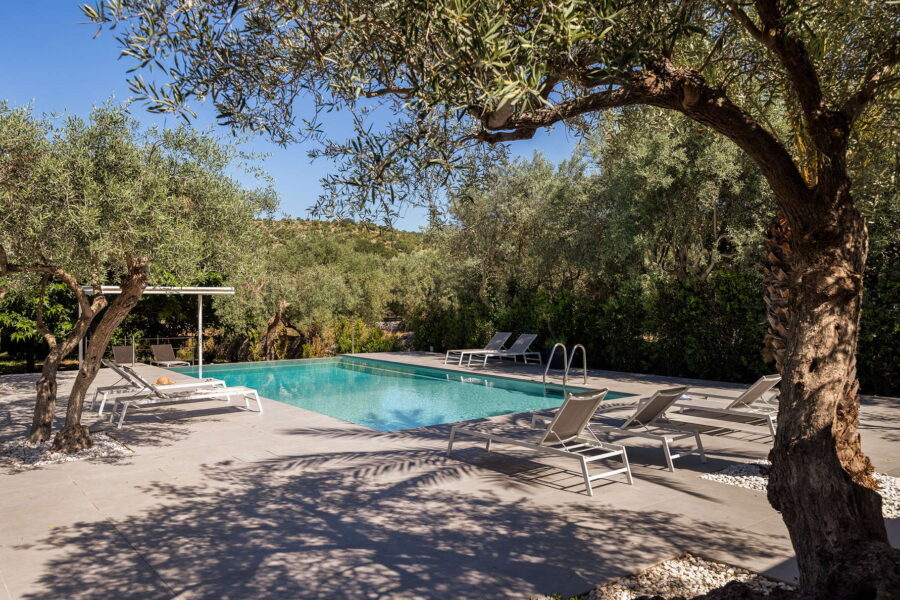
<point x="362" y="524"/>
<point x="159" y="425"/>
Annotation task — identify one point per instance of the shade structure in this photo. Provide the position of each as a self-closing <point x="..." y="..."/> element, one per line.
<point x="169" y="291"/>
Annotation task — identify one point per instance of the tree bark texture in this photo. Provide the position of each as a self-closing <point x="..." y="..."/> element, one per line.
<point x="821" y="480"/>
<point x="45" y="403"/>
<point x="73" y="436"/>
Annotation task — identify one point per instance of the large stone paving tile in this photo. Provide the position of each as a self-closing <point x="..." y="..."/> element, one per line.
<point x="72" y="562"/>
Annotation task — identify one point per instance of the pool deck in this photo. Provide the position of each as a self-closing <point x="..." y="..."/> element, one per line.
<point x="218" y="502"/>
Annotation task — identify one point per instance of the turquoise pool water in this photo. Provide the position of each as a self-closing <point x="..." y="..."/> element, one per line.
<point x="387" y="396"/>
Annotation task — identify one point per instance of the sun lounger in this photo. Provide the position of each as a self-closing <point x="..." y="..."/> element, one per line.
<point x="164" y="356"/>
<point x="519" y="348"/>
<point x="495" y="343"/>
<point x="567" y="435"/>
<point x="649" y="421"/>
<point x="750" y="406"/>
<point x="124" y="355"/>
<point x="124" y="403"/>
<point x="135" y="385"/>
<point x="163" y="393"/>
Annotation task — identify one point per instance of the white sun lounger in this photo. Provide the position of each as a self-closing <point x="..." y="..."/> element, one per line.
<point x="495" y="343"/>
<point x="648" y="421"/>
<point x="567" y="435"/>
<point x="751" y="405"/>
<point x="519" y="348"/>
<point x="156" y="393"/>
<point x="135" y="385"/>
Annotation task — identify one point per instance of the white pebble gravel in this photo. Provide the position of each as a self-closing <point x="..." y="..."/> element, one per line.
<point x="754" y="476"/>
<point x="685" y="576"/>
<point x="22" y="454"/>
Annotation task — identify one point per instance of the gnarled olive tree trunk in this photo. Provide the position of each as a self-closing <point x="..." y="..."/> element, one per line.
<point x="74" y="436"/>
<point x="821" y="481"/>
<point x="45" y="404"/>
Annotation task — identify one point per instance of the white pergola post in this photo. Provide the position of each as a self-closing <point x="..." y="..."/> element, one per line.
<point x="199" y="336"/>
<point x="191" y="291"/>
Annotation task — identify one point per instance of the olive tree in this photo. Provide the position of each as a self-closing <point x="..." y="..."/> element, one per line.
<point x="457" y="73"/>
<point x="97" y="202"/>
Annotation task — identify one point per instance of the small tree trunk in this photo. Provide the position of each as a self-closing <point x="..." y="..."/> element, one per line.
<point x="45" y="405"/>
<point x="73" y="436"/>
<point x="821" y="480"/>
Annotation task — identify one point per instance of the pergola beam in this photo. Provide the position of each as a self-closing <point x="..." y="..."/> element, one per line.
<point x="167" y="291"/>
<point x="164" y="290"/>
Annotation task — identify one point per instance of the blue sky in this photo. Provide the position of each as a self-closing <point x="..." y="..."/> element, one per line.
<point x="49" y="59"/>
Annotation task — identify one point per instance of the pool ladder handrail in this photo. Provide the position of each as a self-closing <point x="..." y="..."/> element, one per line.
<point x="550" y="361"/>
<point x="567" y="361"/>
<point x="572" y="359"/>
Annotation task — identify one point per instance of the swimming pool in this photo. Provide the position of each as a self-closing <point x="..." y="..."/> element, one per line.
<point x="387" y="396"/>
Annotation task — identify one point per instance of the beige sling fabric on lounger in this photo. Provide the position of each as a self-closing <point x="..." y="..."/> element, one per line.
<point x="751" y="406"/>
<point x="164" y="356"/>
<point x="567" y="435"/>
<point x="518" y="349"/>
<point x="495" y="343"/>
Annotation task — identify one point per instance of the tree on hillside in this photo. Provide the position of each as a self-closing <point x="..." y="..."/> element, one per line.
<point x="308" y="279"/>
<point x="459" y="73"/>
<point x="98" y="202"/>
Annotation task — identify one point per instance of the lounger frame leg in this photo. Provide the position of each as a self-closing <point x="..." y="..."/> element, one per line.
<point x="103" y="403"/>
<point x="627" y="467"/>
<point x="587" y="477"/>
<point x="665" y="445"/>
<point x="122" y="416"/>
<point x="700" y="447"/>
<point x="452" y="437"/>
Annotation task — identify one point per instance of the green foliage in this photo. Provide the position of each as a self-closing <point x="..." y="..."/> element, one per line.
<point x="879" y="342"/>
<point x="93" y="201"/>
<point x="314" y="273"/>
<point x="645" y="248"/>
<point x="19" y="338"/>
<point x="457" y="73"/>
<point x="88" y="196"/>
<point x="357" y="336"/>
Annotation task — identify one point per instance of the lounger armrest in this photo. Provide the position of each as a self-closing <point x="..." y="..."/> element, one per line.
<point x="691" y="394"/>
<point x="742" y="412"/>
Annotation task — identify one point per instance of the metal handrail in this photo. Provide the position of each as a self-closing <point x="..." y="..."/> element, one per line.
<point x="565" y="362"/>
<point x="572" y="359"/>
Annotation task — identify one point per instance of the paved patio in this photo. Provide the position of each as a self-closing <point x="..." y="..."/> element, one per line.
<point x="217" y="502"/>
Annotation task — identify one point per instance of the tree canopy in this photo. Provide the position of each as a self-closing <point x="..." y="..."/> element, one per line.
<point x="456" y="73"/>
<point x="83" y="196"/>
<point x="98" y="202"/>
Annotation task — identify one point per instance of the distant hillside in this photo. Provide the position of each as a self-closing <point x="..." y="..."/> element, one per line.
<point x="363" y="237"/>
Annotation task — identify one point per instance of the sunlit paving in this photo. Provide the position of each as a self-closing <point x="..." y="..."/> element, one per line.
<point x="552" y="301"/>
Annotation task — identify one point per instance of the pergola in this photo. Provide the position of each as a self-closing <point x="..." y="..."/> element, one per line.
<point x="168" y="291"/>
